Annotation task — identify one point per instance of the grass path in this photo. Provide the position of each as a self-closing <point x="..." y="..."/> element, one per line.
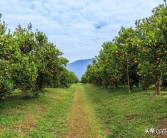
<point x="82" y="122"/>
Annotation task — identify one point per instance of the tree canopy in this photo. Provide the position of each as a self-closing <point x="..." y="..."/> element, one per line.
<point x="28" y="61"/>
<point x="136" y="56"/>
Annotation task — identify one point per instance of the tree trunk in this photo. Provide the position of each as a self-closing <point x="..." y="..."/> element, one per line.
<point x="131" y="84"/>
<point x="158" y="87"/>
<point x="116" y="84"/>
<point x="127" y="71"/>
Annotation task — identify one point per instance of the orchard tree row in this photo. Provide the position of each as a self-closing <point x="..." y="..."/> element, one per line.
<point x="137" y="56"/>
<point x="29" y="62"/>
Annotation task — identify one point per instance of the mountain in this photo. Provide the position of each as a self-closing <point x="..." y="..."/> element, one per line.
<point x="79" y="67"/>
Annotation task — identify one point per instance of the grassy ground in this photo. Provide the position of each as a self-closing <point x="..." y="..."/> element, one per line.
<point x="127" y="115"/>
<point x="82" y="123"/>
<point x="45" y="116"/>
<point x="83" y="111"/>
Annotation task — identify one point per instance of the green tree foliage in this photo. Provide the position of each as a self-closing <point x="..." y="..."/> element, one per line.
<point x="153" y="45"/>
<point x="30" y="63"/>
<point x="6" y="53"/>
<point x="136" y="54"/>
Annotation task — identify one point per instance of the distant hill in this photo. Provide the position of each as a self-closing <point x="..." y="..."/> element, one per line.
<point x="79" y="67"/>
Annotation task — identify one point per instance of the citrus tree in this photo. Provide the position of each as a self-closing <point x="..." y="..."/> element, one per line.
<point x="153" y="49"/>
<point x="7" y="52"/>
<point x="30" y="63"/>
<point x="24" y="68"/>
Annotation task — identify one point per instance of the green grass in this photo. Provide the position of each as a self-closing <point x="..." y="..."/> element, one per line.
<point x="45" y="116"/>
<point x="117" y="113"/>
<point x="83" y="123"/>
<point x="127" y="115"/>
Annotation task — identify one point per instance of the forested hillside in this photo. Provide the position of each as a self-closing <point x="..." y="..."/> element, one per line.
<point x="79" y="66"/>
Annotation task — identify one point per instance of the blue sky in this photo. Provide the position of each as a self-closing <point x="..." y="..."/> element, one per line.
<point x="77" y="27"/>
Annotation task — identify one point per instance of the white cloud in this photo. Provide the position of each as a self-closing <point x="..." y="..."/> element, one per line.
<point x="77" y="27"/>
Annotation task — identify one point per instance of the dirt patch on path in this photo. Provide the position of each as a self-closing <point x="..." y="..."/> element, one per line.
<point x="24" y="128"/>
<point x="82" y="123"/>
<point x="164" y="129"/>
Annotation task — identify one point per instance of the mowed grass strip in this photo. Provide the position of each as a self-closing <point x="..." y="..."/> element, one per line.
<point x="45" y="116"/>
<point x="128" y="115"/>
<point x="82" y="121"/>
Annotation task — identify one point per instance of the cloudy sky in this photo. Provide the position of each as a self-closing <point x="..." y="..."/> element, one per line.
<point x="77" y="27"/>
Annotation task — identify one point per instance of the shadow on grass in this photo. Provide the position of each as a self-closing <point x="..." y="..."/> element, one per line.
<point x="16" y="100"/>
